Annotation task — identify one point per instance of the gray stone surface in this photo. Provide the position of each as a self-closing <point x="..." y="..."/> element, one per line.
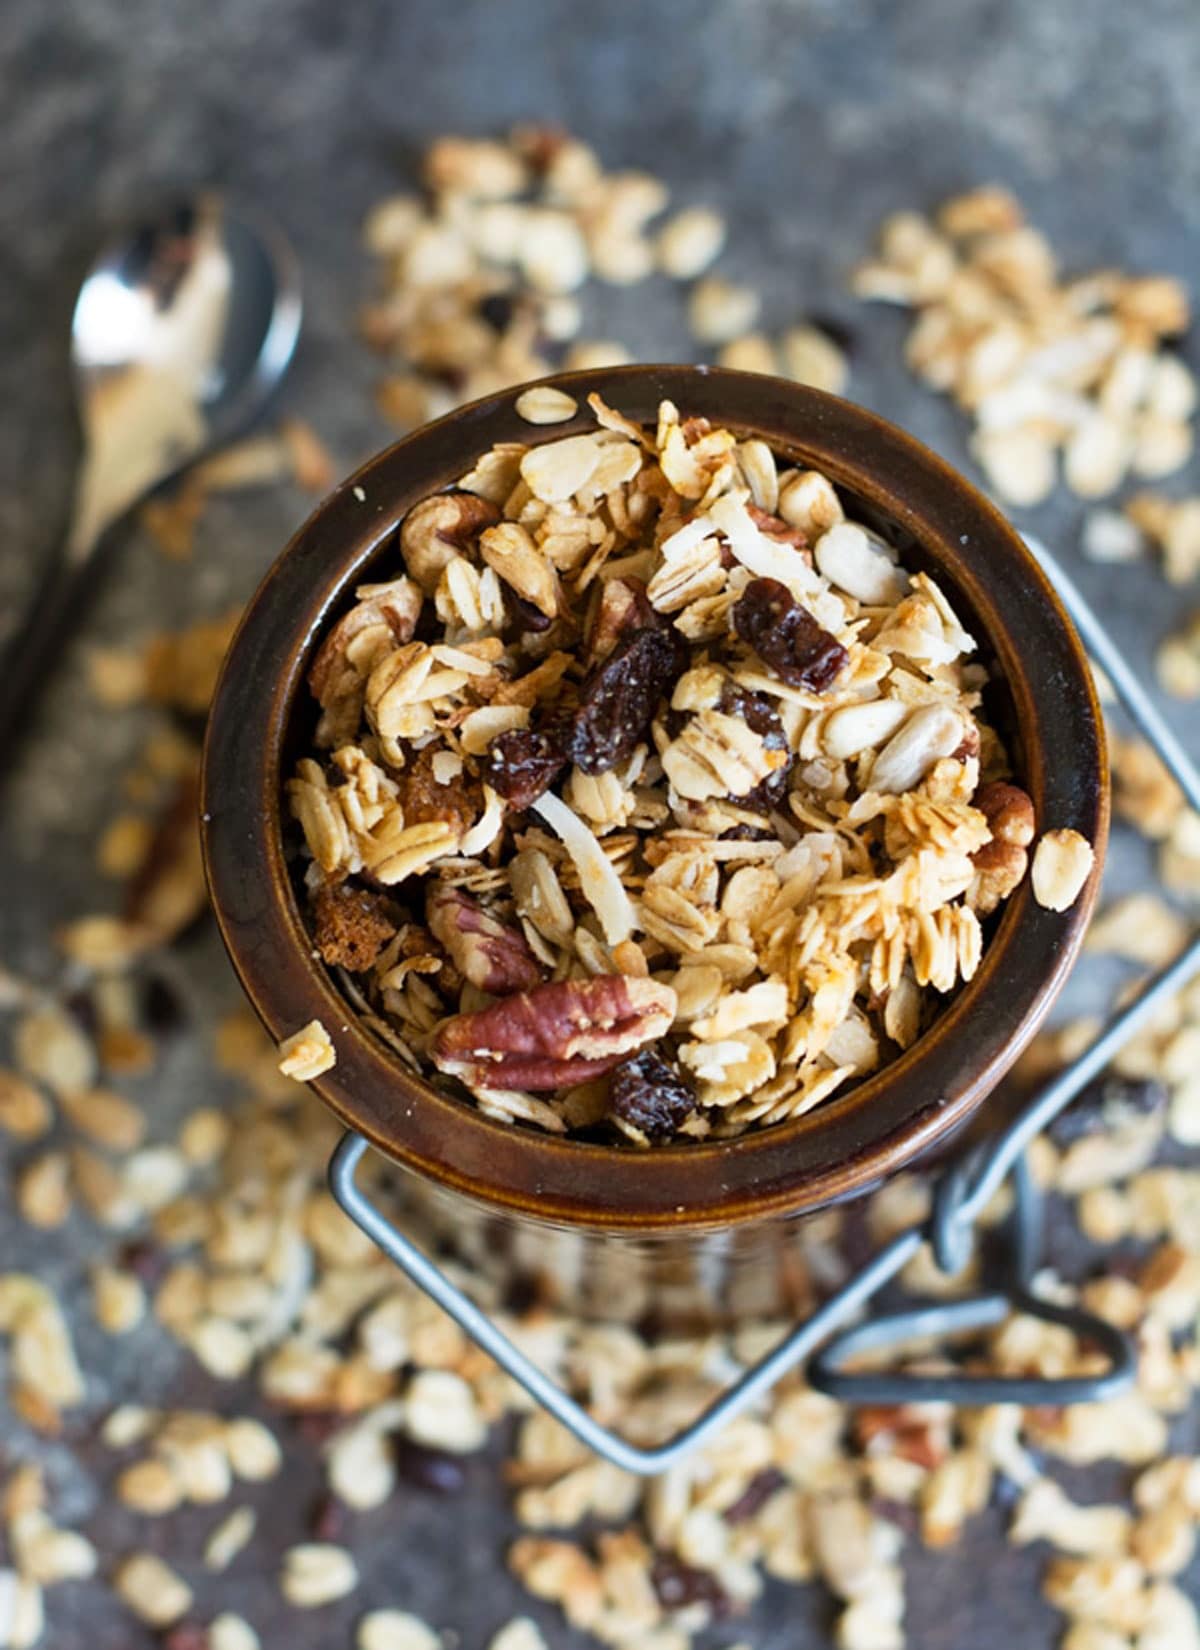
<point x="805" y="120"/>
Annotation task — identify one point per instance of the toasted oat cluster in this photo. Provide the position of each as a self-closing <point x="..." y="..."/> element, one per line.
<point x="1045" y="365"/>
<point x="651" y="799"/>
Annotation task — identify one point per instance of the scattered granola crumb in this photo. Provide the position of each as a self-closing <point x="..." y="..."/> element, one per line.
<point x="307" y="1053"/>
<point x="1044" y="365"/>
<point x="316" y="1573"/>
<point x="1062" y="863"/>
<point x="395" y="1630"/>
<point x="1177" y="661"/>
<point x="230" y="1632"/>
<point x="228" y="1538"/>
<point x="719" y="310"/>
<point x="689" y="241"/>
<point x="520" y="1634"/>
<point x="154" y="1592"/>
<point x="543" y="404"/>
<point x="312" y="464"/>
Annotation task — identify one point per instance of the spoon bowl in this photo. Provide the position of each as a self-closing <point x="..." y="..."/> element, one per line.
<point x="184" y="325"/>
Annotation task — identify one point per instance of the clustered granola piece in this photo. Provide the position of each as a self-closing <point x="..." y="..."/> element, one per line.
<point x="682" y="815"/>
<point x="1172" y="525"/>
<point x="1045" y="365"/>
<point x="481" y="276"/>
<point x="1177" y="661"/>
<point x="250" y="1266"/>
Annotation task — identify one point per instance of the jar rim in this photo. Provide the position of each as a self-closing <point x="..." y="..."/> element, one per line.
<point x="851" y="1142"/>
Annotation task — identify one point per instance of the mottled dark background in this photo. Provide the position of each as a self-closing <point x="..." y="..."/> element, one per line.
<point x="805" y="121"/>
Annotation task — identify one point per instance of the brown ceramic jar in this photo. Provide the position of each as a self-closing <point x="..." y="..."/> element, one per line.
<point x="619" y="1206"/>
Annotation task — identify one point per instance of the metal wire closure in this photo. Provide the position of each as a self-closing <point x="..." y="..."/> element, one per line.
<point x="961" y="1193"/>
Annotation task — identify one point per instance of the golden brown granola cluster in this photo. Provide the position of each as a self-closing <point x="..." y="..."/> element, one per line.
<point x="653" y="796"/>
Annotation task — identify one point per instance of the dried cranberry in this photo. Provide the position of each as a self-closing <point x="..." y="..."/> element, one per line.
<point x="678" y="1584"/>
<point x="1107" y="1103"/>
<point x="429" y="1469"/>
<point x="525" y="762"/>
<point x="755" y="1496"/>
<point x="621" y="694"/>
<point x="650" y="1095"/>
<point x="787" y="637"/>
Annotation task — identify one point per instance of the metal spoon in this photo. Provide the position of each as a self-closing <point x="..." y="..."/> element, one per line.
<point x="182" y="328"/>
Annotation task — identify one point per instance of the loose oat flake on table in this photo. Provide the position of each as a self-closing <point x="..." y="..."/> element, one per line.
<point x="650" y="794"/>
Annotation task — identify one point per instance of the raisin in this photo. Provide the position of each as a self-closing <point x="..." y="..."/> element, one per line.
<point x="650" y="1095"/>
<point x="787" y="637"/>
<point x="429" y="1469"/>
<point x="525" y="762"/>
<point x="1107" y="1103"/>
<point x="621" y="694"/>
<point x="755" y="1496"/>
<point x="678" y="1584"/>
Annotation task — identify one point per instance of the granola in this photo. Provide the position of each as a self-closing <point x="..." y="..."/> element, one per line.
<point x="1047" y="367"/>
<point x="652" y="797"/>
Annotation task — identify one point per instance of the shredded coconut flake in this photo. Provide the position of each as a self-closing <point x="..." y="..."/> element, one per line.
<point x="599" y="881"/>
<point x="764" y="558"/>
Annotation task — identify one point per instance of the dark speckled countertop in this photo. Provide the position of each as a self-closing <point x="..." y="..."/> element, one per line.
<point x="805" y="121"/>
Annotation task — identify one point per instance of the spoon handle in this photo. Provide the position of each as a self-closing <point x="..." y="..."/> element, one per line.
<point x="30" y="657"/>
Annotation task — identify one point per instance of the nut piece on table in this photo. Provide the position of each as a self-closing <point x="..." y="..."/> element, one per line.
<point x="307" y="1053"/>
<point x="438" y="529"/>
<point x="485" y="951"/>
<point x="557" y="1035"/>
<point x="1062" y="863"/>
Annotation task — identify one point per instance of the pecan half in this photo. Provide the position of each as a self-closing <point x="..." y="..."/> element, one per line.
<point x="781" y="531"/>
<point x="438" y="529"/>
<point x="623" y="606"/>
<point x="485" y="950"/>
<point x="999" y="868"/>
<point x="1009" y="811"/>
<point x="557" y="1035"/>
<point x="1001" y="863"/>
